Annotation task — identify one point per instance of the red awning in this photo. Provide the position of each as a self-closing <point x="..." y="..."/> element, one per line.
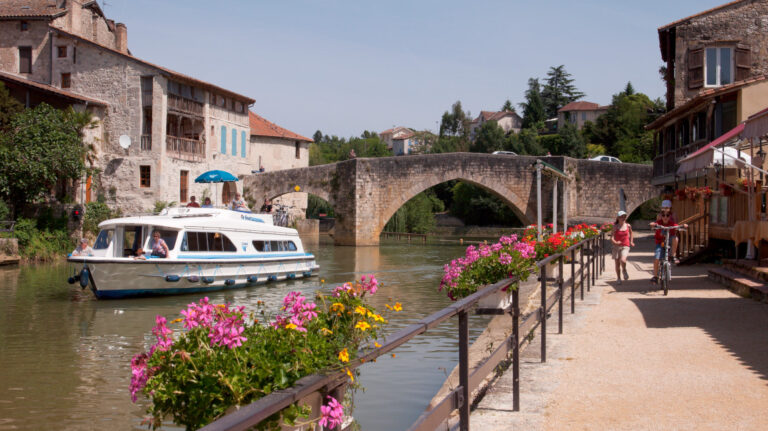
<point x="703" y="157"/>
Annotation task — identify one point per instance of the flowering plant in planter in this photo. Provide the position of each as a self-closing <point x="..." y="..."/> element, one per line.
<point x="606" y="227"/>
<point x="706" y="192"/>
<point x="680" y="194"/>
<point x="224" y="358"/>
<point x="486" y="265"/>
<point x="726" y="189"/>
<point x="746" y="184"/>
<point x="692" y="193"/>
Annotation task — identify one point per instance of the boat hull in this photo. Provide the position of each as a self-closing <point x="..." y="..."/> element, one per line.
<point x="125" y="278"/>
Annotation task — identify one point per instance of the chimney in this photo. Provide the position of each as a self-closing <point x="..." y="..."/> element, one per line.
<point x="121" y="37"/>
<point x="74" y="15"/>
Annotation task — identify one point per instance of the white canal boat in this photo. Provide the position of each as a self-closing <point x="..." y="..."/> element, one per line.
<point x="209" y="249"/>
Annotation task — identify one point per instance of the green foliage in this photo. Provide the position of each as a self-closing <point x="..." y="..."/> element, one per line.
<point x="317" y="206"/>
<point x="558" y="91"/>
<point x="161" y="205"/>
<point x="572" y="143"/>
<point x="334" y="149"/>
<point x="43" y="239"/>
<point x="5" y="212"/>
<point x="474" y="205"/>
<point x="595" y="150"/>
<point x="508" y="106"/>
<point x="551" y="144"/>
<point x="647" y="211"/>
<point x="9" y="107"/>
<point x="533" y="107"/>
<point x="525" y="143"/>
<point x="43" y="147"/>
<point x="417" y="215"/>
<point x="490" y="138"/>
<point x="95" y="213"/>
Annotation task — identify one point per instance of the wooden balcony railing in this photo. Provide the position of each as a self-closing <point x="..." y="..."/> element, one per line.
<point x="146" y="142"/>
<point x="185" y="149"/>
<point x="184" y="105"/>
<point x="696" y="237"/>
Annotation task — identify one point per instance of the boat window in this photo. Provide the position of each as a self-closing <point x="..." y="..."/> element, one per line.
<point x="261" y="245"/>
<point x="132" y="237"/>
<point x="104" y="239"/>
<point x="207" y="241"/>
<point x="274" y="245"/>
<point x="169" y="236"/>
<point x="290" y="246"/>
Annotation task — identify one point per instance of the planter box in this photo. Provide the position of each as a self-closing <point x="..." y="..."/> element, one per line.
<point x="500" y="299"/>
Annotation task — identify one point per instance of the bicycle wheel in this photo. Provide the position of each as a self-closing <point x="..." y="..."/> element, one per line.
<point x="665" y="276"/>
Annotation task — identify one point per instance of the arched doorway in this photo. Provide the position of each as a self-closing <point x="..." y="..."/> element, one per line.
<point x="228" y="193"/>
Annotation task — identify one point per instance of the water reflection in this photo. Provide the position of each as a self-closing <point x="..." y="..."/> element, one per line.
<point x="65" y="356"/>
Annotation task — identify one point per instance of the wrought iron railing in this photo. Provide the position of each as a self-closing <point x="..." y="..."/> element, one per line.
<point x="591" y="250"/>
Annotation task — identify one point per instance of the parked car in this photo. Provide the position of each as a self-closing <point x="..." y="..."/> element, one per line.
<point x="606" y="159"/>
<point x="508" y="153"/>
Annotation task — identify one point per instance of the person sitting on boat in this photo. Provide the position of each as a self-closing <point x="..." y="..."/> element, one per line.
<point x="83" y="249"/>
<point x="207" y="203"/>
<point x="159" y="247"/>
<point x="193" y="203"/>
<point x="140" y="254"/>
<point x="238" y="203"/>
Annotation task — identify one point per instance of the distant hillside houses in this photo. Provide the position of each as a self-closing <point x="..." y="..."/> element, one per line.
<point x="578" y="113"/>
<point x="509" y="121"/>
<point x="400" y="140"/>
<point x="158" y="129"/>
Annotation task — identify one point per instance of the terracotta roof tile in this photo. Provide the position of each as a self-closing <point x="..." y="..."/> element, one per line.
<point x="30" y="9"/>
<point x="262" y="127"/>
<point x="177" y="75"/>
<point x="50" y="89"/>
<point x="582" y="106"/>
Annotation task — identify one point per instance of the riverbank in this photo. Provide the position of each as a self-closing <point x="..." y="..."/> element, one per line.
<point x="632" y="358"/>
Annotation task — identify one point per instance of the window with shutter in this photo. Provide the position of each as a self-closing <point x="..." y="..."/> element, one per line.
<point x="742" y="57"/>
<point x="25" y="59"/>
<point x="695" y="68"/>
<point x="242" y="144"/>
<point x="234" y="142"/>
<point x="223" y="140"/>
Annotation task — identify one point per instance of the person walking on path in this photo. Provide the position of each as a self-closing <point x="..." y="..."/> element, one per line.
<point x="622" y="240"/>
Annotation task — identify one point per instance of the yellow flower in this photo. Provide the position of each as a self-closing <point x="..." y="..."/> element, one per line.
<point x="291" y="326"/>
<point x="322" y="281"/>
<point x="388" y="306"/>
<point x="337" y="306"/>
<point x="351" y="376"/>
<point x="326" y="331"/>
<point x="177" y="320"/>
<point x="377" y="317"/>
<point x="393" y="355"/>
<point x="344" y="355"/>
<point x="361" y="310"/>
<point x="398" y="306"/>
<point x="363" y="326"/>
<point x="377" y="345"/>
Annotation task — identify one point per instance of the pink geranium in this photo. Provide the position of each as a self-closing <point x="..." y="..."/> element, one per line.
<point x="332" y="414"/>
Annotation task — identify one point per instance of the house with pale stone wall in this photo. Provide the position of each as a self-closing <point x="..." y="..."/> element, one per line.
<point x="66" y="52"/>
<point x="509" y="121"/>
<point x="578" y="113"/>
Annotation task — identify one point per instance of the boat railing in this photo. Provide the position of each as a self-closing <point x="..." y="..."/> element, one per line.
<point x="591" y="263"/>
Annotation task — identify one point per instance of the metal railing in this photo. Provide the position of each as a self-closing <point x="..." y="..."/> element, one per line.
<point x="185" y="105"/>
<point x="185" y="149"/>
<point x="591" y="249"/>
<point x="7" y="225"/>
<point x="407" y="235"/>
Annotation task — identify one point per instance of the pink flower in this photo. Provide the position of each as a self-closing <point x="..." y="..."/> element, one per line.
<point x="162" y="333"/>
<point x="370" y="284"/>
<point x="505" y="259"/>
<point x="139" y="374"/>
<point x="332" y="414"/>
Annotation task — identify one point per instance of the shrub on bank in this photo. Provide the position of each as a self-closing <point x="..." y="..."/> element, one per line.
<point x="95" y="213"/>
<point x="227" y="358"/>
<point x="42" y="240"/>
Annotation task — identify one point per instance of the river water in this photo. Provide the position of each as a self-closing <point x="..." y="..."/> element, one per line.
<point x="65" y="356"/>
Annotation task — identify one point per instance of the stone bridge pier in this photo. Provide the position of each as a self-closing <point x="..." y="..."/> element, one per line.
<point x="365" y="193"/>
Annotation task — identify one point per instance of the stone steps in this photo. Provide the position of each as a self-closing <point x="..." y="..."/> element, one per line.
<point x="748" y="268"/>
<point x="740" y="283"/>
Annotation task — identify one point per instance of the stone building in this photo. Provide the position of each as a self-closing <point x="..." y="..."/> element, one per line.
<point x="158" y="129"/>
<point x="578" y="113"/>
<point x="509" y="121"/>
<point x="400" y="140"/>
<point x="717" y="78"/>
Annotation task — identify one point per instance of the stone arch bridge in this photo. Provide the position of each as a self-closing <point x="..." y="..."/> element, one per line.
<point x="366" y="192"/>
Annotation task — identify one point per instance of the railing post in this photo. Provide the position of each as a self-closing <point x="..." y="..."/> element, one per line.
<point x="573" y="281"/>
<point x="543" y="312"/>
<point x="464" y="370"/>
<point x="516" y="350"/>
<point x="589" y="265"/>
<point x="560" y="295"/>
<point x="581" y="270"/>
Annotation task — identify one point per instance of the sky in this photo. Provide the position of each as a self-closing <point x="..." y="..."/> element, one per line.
<point x="344" y="67"/>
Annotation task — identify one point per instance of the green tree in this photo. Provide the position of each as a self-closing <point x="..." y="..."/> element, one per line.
<point x="533" y="107"/>
<point x="490" y="137"/>
<point x="558" y="91"/>
<point x="476" y="206"/>
<point x="42" y="147"/>
<point x="508" y="106"/>
<point x="417" y="215"/>
<point x="572" y="143"/>
<point x="9" y="107"/>
<point x="318" y="136"/>
<point x="525" y="143"/>
<point x="629" y="89"/>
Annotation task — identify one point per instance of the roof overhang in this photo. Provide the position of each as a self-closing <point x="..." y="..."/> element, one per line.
<point x="77" y="98"/>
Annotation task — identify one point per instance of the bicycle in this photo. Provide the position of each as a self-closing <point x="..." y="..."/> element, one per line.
<point x="281" y="217"/>
<point x="665" y="270"/>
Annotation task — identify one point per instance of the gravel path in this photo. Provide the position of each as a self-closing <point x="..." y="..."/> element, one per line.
<point x="632" y="359"/>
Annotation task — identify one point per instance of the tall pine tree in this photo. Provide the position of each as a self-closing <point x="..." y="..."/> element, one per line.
<point x="533" y="107"/>
<point x="558" y="91"/>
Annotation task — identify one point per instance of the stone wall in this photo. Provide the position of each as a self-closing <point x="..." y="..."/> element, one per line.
<point x="365" y="193"/>
<point x="742" y="22"/>
<point x="11" y="38"/>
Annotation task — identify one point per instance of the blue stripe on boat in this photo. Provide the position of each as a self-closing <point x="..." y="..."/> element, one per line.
<point x="241" y="256"/>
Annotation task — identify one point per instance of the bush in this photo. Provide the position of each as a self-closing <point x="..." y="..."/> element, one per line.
<point x="95" y="213"/>
<point x="5" y="212"/>
<point x="161" y="205"/>
<point x="41" y="244"/>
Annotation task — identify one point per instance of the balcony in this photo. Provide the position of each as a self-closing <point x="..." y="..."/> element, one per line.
<point x="146" y="142"/>
<point x="182" y="104"/>
<point x="185" y="149"/>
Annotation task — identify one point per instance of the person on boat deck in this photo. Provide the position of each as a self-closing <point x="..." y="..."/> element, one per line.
<point x="207" y="203"/>
<point x="267" y="207"/>
<point x="83" y="249"/>
<point x="238" y="203"/>
<point x="140" y="254"/>
<point x="193" y="203"/>
<point x="159" y="247"/>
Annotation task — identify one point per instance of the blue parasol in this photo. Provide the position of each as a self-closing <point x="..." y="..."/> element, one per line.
<point x="216" y="176"/>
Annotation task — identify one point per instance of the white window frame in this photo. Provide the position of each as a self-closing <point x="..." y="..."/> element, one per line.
<point x="717" y="49"/>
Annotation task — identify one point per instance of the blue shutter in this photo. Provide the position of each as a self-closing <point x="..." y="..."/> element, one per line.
<point x="223" y="140"/>
<point x="234" y="142"/>
<point x="242" y="143"/>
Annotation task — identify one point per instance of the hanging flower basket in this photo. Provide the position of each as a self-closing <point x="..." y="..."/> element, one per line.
<point x="705" y="192"/>
<point x="692" y="193"/>
<point x="680" y="194"/>
<point x="726" y="189"/>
